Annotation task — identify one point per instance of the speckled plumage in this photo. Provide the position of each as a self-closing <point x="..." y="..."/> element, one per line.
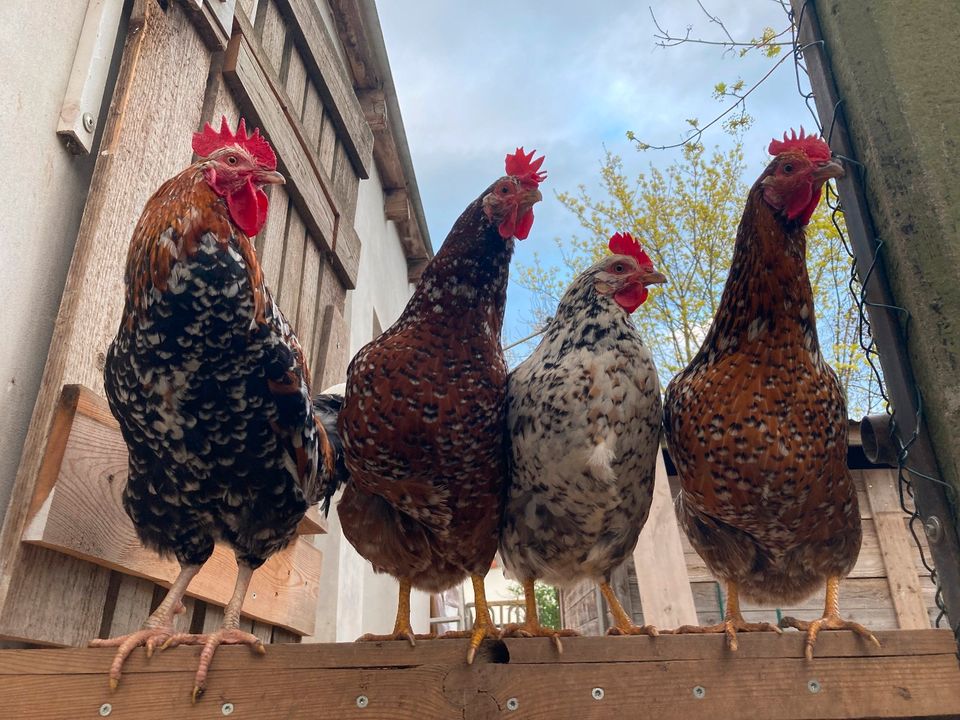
<point x="757" y="424"/>
<point x="584" y="428"/>
<point x="210" y="387"/>
<point x="422" y="419"/>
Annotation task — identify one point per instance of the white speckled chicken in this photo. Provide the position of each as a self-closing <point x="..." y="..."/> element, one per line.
<point x="584" y="429"/>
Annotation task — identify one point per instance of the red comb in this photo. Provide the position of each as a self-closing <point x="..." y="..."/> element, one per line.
<point x="525" y="168"/>
<point x="624" y="244"/>
<point x="209" y="141"/>
<point x="812" y="146"/>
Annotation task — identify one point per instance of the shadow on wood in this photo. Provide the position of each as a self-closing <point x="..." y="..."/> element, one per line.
<point x="915" y="674"/>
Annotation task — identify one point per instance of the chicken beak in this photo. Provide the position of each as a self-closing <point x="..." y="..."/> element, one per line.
<point x="829" y="170"/>
<point x="270" y="177"/>
<point x="649" y="276"/>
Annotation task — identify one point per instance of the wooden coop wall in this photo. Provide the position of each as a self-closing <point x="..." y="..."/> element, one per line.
<point x="889" y="588"/>
<point x="183" y="63"/>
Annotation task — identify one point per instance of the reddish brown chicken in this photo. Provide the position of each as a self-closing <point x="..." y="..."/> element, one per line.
<point x="757" y="423"/>
<point x="423" y="415"/>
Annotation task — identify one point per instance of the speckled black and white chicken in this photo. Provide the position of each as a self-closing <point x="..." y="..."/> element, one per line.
<point x="584" y="429"/>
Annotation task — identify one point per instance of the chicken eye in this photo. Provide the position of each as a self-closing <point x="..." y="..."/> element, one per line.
<point x="504" y="189"/>
<point x="618" y="268"/>
<point x="788" y="168"/>
<point x="232" y="159"/>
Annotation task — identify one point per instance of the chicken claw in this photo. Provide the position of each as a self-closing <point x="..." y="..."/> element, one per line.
<point x="827" y="622"/>
<point x="730" y="627"/>
<point x="535" y="629"/>
<point x="401" y="634"/>
<point x="210" y="642"/>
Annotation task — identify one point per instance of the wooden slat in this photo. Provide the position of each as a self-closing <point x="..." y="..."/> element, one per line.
<point x="658" y="558"/>
<point x="328" y="144"/>
<point x="306" y="320"/>
<point x="82" y="516"/>
<point x="146" y="140"/>
<point x="312" y="117"/>
<point x="897" y="550"/>
<point x="290" y="276"/>
<point x="649" y="678"/>
<point x="272" y="33"/>
<point x="269" y="241"/>
<point x="337" y="93"/>
<point x="332" y="344"/>
<point x="295" y="80"/>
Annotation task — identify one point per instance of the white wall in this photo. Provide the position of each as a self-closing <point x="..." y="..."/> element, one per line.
<point x="45" y="188"/>
<point x="353" y="599"/>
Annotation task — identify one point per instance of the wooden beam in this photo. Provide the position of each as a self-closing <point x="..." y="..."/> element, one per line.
<point x="689" y="677"/>
<point x="309" y="185"/>
<point x="897" y="550"/>
<point x="318" y="51"/>
<point x="77" y="511"/>
<point x="660" y="565"/>
<point x="213" y="20"/>
<point x="396" y="205"/>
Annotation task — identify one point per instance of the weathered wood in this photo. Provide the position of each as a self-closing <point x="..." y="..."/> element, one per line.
<point x="81" y="515"/>
<point x="295" y="80"/>
<point x="322" y="61"/>
<point x="312" y="117"/>
<point x="291" y="274"/>
<point x="328" y="144"/>
<point x="659" y="561"/>
<point x="396" y="206"/>
<point x="269" y="241"/>
<point x="146" y="140"/>
<point x="332" y="344"/>
<point x="914" y="676"/>
<point x="306" y="320"/>
<point x="213" y="20"/>
<point x="272" y="31"/>
<point x="897" y="551"/>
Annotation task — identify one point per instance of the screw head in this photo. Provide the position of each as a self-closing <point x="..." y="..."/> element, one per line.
<point x="226" y="709"/>
<point x="513" y="704"/>
<point x="89" y="122"/>
<point x="597" y="693"/>
<point x="699" y="692"/>
<point x="813" y="686"/>
<point x="362" y="701"/>
<point x="106" y="709"/>
<point x="933" y="529"/>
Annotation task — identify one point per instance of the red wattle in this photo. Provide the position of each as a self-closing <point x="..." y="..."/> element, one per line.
<point x="248" y="208"/>
<point x="523" y="227"/>
<point x="508" y="226"/>
<point x="631" y="297"/>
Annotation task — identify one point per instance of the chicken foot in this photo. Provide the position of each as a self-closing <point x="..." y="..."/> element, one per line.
<point x="228" y="634"/>
<point x="623" y="625"/>
<point x="831" y="620"/>
<point x="531" y="626"/>
<point x="155" y="631"/>
<point x="401" y="628"/>
<point x="482" y="627"/>
<point x="733" y="621"/>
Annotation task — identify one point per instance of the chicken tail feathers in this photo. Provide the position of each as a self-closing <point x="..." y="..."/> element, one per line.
<point x="327" y="407"/>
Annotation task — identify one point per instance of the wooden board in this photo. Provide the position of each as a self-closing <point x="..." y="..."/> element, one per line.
<point x="914" y="675"/>
<point x="80" y="514"/>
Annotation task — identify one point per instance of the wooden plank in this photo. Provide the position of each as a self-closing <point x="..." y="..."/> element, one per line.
<point x="897" y="551"/>
<point x="332" y="344"/>
<point x="291" y="274"/>
<point x="312" y="117"/>
<point x="295" y="81"/>
<point x="432" y="681"/>
<point x="328" y="144"/>
<point x="82" y="516"/>
<point x="659" y="561"/>
<point x="306" y="320"/>
<point x="346" y="184"/>
<point x="269" y="241"/>
<point x="146" y="140"/>
<point x="272" y="31"/>
<point x="336" y="90"/>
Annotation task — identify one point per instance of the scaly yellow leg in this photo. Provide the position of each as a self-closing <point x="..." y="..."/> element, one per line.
<point x="401" y="627"/>
<point x="531" y="627"/>
<point x="623" y="625"/>
<point x="831" y="620"/>
<point x="733" y="621"/>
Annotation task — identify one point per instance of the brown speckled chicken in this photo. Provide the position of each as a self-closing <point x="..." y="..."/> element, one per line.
<point x="757" y="423"/>
<point x="422" y="422"/>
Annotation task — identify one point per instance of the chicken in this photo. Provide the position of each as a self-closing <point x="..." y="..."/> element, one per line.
<point x="423" y="416"/>
<point x="757" y="422"/>
<point x="210" y="388"/>
<point x="583" y="424"/>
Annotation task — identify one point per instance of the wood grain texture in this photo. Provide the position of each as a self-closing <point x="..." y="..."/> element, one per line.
<point x="270" y="240"/>
<point x="332" y="342"/>
<point x="272" y="31"/>
<point x="915" y="676"/>
<point x="659" y="561"/>
<point x="146" y="140"/>
<point x="306" y="321"/>
<point x="82" y="516"/>
<point x="312" y="117"/>
<point x="295" y="80"/>
<point x="288" y="294"/>
<point x="322" y="62"/>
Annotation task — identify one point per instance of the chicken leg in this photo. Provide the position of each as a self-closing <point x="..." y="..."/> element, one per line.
<point x="531" y="627"/>
<point x="482" y="627"/>
<point x="831" y="620"/>
<point x="228" y="634"/>
<point x="156" y="629"/>
<point x="623" y="625"/>
<point x="401" y="628"/>
<point x="733" y="621"/>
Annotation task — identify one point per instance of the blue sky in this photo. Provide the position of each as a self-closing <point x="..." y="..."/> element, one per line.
<point x="476" y="80"/>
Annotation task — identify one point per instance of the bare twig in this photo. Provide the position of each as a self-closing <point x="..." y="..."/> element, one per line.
<point x="666" y="39"/>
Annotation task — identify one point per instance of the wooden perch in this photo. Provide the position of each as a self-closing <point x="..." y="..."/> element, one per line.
<point x="77" y="510"/>
<point x="688" y="677"/>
